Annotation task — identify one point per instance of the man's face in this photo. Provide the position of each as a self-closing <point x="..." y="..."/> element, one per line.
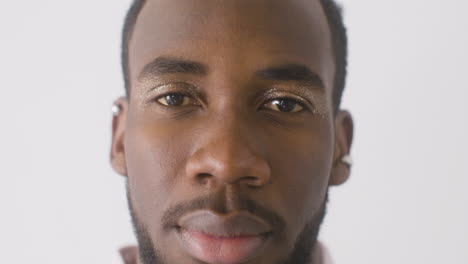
<point x="228" y="138"/>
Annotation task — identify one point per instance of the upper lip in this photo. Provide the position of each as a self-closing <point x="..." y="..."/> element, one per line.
<point x="234" y="224"/>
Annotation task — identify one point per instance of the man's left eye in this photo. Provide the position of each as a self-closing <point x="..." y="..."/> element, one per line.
<point x="284" y="105"/>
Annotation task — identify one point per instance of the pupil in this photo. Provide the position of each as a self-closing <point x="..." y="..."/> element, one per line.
<point x="285" y="105"/>
<point x="175" y="99"/>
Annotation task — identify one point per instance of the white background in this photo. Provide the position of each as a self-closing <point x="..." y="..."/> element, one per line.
<point x="407" y="200"/>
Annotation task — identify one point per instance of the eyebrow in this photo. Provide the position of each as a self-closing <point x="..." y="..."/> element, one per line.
<point x="170" y="65"/>
<point x="286" y="72"/>
<point x="291" y="72"/>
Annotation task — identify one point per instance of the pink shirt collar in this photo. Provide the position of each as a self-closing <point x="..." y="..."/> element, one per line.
<point x="129" y="255"/>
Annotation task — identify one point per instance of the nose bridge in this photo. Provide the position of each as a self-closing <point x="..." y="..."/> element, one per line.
<point x="227" y="153"/>
<point x="231" y="144"/>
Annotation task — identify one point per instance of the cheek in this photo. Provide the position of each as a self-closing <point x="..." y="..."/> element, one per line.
<point x="300" y="178"/>
<point x="153" y="155"/>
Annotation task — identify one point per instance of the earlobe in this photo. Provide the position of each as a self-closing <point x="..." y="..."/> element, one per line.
<point x="343" y="139"/>
<point x="117" y="153"/>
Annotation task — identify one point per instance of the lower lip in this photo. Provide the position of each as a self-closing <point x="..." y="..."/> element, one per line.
<point x="221" y="250"/>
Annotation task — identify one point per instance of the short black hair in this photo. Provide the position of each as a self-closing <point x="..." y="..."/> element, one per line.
<point x="334" y="16"/>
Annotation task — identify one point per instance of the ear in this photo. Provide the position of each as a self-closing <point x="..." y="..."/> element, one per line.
<point x="117" y="153"/>
<point x="343" y="138"/>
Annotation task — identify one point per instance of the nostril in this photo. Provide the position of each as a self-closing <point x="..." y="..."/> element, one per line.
<point x="203" y="178"/>
<point x="253" y="182"/>
<point x="251" y="179"/>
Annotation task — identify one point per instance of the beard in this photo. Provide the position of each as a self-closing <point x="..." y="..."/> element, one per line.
<point x="302" y="252"/>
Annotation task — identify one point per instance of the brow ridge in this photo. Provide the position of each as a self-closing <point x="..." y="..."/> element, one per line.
<point x="291" y="72"/>
<point x="286" y="72"/>
<point x="171" y="65"/>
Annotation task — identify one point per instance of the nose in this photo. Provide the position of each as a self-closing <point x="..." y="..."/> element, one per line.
<point x="225" y="154"/>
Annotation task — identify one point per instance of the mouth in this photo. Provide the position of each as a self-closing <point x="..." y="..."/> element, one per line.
<point x="231" y="239"/>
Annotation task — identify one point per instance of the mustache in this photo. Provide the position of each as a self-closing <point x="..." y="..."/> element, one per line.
<point x="213" y="203"/>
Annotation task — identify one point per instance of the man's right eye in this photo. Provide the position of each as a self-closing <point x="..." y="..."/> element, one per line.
<point x="175" y="99"/>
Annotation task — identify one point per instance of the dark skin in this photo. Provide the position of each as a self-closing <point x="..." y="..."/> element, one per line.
<point x="231" y="101"/>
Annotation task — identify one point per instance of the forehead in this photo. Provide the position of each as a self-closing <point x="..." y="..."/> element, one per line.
<point x="237" y="36"/>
